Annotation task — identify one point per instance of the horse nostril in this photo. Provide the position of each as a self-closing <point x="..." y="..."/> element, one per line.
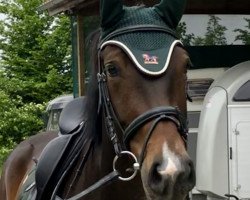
<point x="187" y="178"/>
<point x="156" y="180"/>
<point x="192" y="177"/>
<point x="155" y="176"/>
<point x="190" y="172"/>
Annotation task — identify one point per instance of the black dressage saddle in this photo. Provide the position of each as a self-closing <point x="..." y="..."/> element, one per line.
<point x="59" y="155"/>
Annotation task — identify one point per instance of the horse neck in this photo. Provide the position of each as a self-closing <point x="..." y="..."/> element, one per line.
<point x="98" y="165"/>
<point x="119" y="189"/>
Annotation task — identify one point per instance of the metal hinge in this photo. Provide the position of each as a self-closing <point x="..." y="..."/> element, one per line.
<point x="236" y="132"/>
<point x="230" y="153"/>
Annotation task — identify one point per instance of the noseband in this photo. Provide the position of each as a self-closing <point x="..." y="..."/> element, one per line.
<point x="156" y="114"/>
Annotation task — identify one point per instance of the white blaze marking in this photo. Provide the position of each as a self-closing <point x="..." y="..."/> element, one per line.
<point x="170" y="164"/>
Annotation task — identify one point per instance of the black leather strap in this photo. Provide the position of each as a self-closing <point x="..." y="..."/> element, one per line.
<point x="102" y="182"/>
<point x="171" y="113"/>
<point x="142" y="154"/>
<point x="110" y="116"/>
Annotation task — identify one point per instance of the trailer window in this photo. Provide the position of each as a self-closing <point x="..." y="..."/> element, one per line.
<point x="243" y="94"/>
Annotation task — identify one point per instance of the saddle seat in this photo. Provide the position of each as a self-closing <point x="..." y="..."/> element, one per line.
<point x="72" y="116"/>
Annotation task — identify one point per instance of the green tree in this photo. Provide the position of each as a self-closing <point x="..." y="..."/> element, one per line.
<point x="35" y="54"/>
<point x="17" y="122"/>
<point x="187" y="39"/>
<point x="244" y="35"/>
<point x="35" y="51"/>
<point x="215" y="34"/>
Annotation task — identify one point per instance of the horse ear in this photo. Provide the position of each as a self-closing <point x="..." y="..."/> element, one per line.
<point x="111" y="12"/>
<point x="171" y="11"/>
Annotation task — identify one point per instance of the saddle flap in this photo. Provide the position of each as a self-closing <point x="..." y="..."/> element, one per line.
<point x="50" y="157"/>
<point x="57" y="158"/>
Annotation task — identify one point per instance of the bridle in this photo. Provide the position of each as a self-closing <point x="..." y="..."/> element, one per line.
<point x="121" y="148"/>
<point x="156" y="114"/>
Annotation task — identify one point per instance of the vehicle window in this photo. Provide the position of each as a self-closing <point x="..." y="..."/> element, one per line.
<point x="243" y="93"/>
<point x="53" y="121"/>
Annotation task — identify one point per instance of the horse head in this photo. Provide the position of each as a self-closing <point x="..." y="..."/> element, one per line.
<point x="144" y="65"/>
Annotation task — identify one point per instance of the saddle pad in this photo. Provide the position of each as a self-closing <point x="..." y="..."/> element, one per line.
<point x="28" y="190"/>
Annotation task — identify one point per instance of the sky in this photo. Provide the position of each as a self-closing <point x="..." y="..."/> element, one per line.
<point x="1" y="16"/>
<point x="197" y="24"/>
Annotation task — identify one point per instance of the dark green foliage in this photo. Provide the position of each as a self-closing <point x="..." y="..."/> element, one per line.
<point x="215" y="34"/>
<point x="244" y="35"/>
<point x="186" y="38"/>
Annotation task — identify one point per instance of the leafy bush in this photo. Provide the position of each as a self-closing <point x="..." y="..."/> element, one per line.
<point x="18" y="121"/>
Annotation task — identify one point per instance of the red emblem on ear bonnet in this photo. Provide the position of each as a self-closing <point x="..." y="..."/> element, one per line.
<point x="150" y="59"/>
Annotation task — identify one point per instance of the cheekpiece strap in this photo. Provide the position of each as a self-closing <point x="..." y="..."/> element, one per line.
<point x="109" y="112"/>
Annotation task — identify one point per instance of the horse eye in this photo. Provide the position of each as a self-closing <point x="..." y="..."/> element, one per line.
<point x="112" y="70"/>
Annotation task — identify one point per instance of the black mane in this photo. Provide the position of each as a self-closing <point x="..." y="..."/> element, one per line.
<point x="91" y="111"/>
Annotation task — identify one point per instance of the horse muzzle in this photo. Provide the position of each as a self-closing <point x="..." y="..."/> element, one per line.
<point x="169" y="179"/>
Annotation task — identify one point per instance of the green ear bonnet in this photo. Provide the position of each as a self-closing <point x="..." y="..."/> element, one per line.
<point x="146" y="35"/>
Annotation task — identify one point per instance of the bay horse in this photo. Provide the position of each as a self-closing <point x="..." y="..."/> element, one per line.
<point x="134" y="118"/>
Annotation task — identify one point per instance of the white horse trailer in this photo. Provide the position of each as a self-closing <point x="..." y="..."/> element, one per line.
<point x="199" y="81"/>
<point x="223" y="143"/>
